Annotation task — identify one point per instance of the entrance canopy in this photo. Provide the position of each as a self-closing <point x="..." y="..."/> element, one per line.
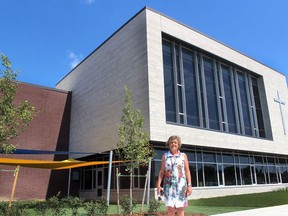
<point x="55" y="165"/>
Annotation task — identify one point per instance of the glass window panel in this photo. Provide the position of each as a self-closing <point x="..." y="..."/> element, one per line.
<point x="113" y="178"/>
<point x="106" y="171"/>
<point x="220" y="174"/>
<point x="95" y="176"/>
<point x="209" y="157"/>
<point x="272" y="174"/>
<point x="169" y="82"/>
<point x="282" y="161"/>
<point x="88" y="179"/>
<point x="252" y="161"/>
<point x="245" y="172"/>
<point x="181" y="118"/>
<point x="170" y="104"/>
<point x="219" y="158"/>
<point x="191" y="156"/>
<point x="159" y="153"/>
<point x="244" y="102"/>
<point x="193" y="171"/>
<point x="229" y="174"/>
<point x="124" y="181"/>
<point x="157" y="165"/>
<point x="178" y="64"/>
<point x="258" y="160"/>
<point x="199" y="156"/>
<point x="211" y="94"/>
<point x="136" y="178"/>
<point x="201" y="91"/>
<point x="200" y="174"/>
<point x="190" y="88"/>
<point x="260" y="174"/>
<point x="143" y="172"/>
<point x="180" y="101"/>
<point x="258" y="107"/>
<point x="210" y="172"/>
<point x="270" y="160"/>
<point x="244" y="159"/>
<point x="238" y="178"/>
<point x="228" y="158"/>
<point x="229" y="100"/>
<point x="284" y="174"/>
<point x="236" y="157"/>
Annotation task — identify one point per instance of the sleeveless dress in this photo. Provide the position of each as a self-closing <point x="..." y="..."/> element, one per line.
<point x="175" y="183"/>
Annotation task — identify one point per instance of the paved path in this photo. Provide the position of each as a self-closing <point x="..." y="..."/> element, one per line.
<point x="281" y="210"/>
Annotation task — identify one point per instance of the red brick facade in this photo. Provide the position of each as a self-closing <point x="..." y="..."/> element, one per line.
<point x="49" y="130"/>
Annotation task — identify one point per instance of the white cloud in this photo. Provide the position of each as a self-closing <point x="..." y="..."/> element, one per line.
<point x="75" y="60"/>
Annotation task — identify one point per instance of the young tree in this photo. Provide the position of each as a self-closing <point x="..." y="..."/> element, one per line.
<point x="133" y="143"/>
<point x="13" y="117"/>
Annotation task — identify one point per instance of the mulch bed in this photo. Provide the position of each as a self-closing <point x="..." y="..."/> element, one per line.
<point x="161" y="214"/>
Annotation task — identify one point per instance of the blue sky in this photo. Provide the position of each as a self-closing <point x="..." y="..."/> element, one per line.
<point x="44" y="39"/>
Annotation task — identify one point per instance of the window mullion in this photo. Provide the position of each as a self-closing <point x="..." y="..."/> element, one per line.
<point x="223" y="101"/>
<point x="198" y="73"/>
<point x="175" y="82"/>
<point x="204" y="92"/>
<point x="219" y="96"/>
<point x="233" y="81"/>
<point x="182" y="84"/>
<point x="239" y="103"/>
<point x="249" y="104"/>
<point x="256" y="127"/>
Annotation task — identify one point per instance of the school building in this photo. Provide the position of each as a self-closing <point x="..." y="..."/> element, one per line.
<point x="229" y="109"/>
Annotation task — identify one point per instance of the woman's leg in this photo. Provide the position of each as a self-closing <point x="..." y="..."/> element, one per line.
<point x="171" y="211"/>
<point x="180" y="211"/>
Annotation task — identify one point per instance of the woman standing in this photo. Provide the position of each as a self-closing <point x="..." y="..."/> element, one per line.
<point x="177" y="179"/>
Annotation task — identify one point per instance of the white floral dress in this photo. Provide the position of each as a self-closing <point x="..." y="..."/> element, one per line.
<point x="175" y="183"/>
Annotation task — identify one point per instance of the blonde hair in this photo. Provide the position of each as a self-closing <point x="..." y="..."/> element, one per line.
<point x="173" y="138"/>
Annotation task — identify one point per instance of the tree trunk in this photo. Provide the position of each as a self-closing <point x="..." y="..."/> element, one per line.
<point x="131" y="185"/>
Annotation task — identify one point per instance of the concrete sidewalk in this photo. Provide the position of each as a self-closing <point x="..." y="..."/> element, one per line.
<point x="281" y="210"/>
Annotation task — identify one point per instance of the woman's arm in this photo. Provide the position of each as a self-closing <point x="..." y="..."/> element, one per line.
<point x="188" y="175"/>
<point x="160" y="175"/>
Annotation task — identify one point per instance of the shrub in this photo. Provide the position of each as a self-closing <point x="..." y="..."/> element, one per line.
<point x="102" y="206"/>
<point x="41" y="208"/>
<point x="15" y="210"/>
<point x="74" y="203"/>
<point x="98" y="207"/>
<point x="3" y="208"/>
<point x="154" y="206"/>
<point x="125" y="203"/>
<point x="55" y="204"/>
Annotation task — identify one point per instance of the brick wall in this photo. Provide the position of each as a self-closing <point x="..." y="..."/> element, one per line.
<point x="49" y="130"/>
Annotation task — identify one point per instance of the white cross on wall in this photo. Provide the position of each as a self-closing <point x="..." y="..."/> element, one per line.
<point x="281" y="103"/>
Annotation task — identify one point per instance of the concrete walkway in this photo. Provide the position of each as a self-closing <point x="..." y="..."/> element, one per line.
<point x="281" y="210"/>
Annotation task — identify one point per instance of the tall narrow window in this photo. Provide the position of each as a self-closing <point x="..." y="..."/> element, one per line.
<point x="190" y="88"/>
<point x="229" y="99"/>
<point x="169" y="82"/>
<point x="258" y="107"/>
<point x="244" y="104"/>
<point x="211" y="93"/>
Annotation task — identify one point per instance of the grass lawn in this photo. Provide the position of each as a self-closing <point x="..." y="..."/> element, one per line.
<point x="238" y="202"/>
<point x="226" y="204"/>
